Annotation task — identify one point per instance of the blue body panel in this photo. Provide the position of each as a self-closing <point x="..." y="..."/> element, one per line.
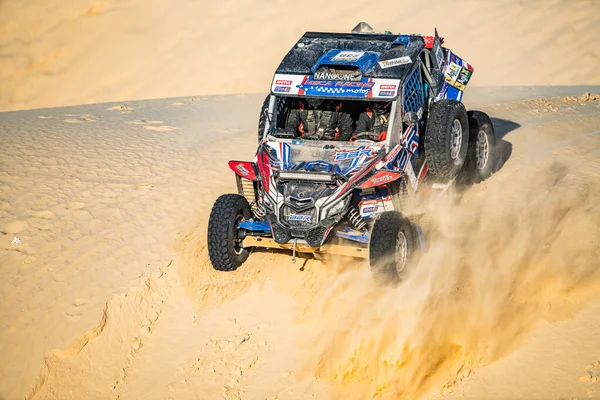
<point x="354" y="235"/>
<point x="256" y="226"/>
<point x="365" y="60"/>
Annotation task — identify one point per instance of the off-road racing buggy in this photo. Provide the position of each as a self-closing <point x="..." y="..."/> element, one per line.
<point x="347" y="197"/>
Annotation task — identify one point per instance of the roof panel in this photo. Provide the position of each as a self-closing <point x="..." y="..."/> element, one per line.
<point x="391" y="47"/>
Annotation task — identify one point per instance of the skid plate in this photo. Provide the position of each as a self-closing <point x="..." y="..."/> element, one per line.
<point x="348" y="250"/>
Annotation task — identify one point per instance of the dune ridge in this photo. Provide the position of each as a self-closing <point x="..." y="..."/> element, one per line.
<point x="88" y="51"/>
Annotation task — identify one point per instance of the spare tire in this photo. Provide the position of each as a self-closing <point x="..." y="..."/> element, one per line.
<point x="446" y="139"/>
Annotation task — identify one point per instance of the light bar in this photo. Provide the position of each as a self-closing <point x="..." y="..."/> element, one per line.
<point x="305" y="176"/>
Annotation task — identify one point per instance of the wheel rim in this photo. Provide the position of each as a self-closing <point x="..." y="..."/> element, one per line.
<point x="456" y="139"/>
<point x="482" y="152"/>
<point x="401" y="252"/>
<point x="237" y="243"/>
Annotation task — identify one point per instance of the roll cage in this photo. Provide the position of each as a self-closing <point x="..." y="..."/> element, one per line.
<point x="418" y="89"/>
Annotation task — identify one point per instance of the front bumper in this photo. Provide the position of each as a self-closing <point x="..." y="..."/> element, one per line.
<point x="314" y="235"/>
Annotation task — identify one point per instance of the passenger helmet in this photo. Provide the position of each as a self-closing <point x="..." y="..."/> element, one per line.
<point x="381" y="107"/>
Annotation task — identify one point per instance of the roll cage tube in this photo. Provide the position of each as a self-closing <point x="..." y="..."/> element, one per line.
<point x="388" y="138"/>
<point x="271" y="116"/>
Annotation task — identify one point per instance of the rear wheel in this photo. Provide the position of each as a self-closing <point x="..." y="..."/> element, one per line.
<point x="446" y="139"/>
<point x="391" y="247"/>
<point x="481" y="155"/>
<point x="225" y="247"/>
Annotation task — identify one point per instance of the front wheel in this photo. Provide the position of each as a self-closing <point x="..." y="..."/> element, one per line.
<point x="224" y="244"/>
<point x="391" y="248"/>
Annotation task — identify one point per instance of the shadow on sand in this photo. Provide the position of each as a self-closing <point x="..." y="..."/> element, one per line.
<point x="502" y="127"/>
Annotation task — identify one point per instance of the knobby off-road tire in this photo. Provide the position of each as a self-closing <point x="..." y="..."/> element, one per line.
<point x="482" y="156"/>
<point x="224" y="249"/>
<point x="399" y="193"/>
<point x="391" y="248"/>
<point x="446" y="139"/>
<point x="262" y="119"/>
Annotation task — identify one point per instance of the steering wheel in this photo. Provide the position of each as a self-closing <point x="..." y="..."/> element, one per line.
<point x="362" y="136"/>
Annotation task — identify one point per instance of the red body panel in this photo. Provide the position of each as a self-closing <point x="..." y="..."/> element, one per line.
<point x="244" y="169"/>
<point x="380" y="178"/>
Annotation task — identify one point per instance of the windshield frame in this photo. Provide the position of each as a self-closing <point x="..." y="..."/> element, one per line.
<point x="388" y="143"/>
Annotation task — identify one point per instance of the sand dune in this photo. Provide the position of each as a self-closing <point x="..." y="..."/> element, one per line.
<point x="107" y="291"/>
<point x="111" y="295"/>
<point x="89" y="51"/>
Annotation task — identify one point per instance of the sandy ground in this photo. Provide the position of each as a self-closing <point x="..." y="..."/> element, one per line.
<point x="88" y="51"/>
<point x="110" y="295"/>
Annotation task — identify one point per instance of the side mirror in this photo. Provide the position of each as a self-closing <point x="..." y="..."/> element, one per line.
<point x="410" y="118"/>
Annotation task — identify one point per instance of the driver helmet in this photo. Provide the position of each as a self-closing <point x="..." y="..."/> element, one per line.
<point x="381" y="107"/>
<point x="313" y="102"/>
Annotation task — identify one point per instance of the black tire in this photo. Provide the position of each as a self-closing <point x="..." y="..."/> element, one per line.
<point x="387" y="265"/>
<point x="445" y="156"/>
<point x="224" y="249"/>
<point x="262" y="119"/>
<point x="399" y="194"/>
<point x="482" y="155"/>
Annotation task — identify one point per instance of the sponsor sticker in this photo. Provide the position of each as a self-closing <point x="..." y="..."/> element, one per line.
<point x="394" y="62"/>
<point x="387" y="87"/>
<point x="348" y="56"/>
<point x="452" y="72"/>
<point x="281" y="89"/>
<point x="336" y="88"/>
<point x="463" y="78"/>
<point x="329" y="76"/>
<point x="283" y="82"/>
<point x="242" y="169"/>
<point x="350" y="155"/>
<point x="382" y="179"/>
<point x="375" y="201"/>
<point x="387" y="93"/>
<point x="366" y="210"/>
<point x="296" y="217"/>
<point x="359" y="85"/>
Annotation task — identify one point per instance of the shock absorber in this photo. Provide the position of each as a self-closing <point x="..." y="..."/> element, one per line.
<point x="354" y="217"/>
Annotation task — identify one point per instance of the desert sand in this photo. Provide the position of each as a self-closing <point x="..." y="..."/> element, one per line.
<point x="55" y="53"/>
<point x="110" y="293"/>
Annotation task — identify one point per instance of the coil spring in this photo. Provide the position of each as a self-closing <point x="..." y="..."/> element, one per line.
<point x="354" y="217"/>
<point x="259" y="211"/>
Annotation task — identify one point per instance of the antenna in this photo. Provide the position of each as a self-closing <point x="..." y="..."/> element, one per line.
<point x="362" y="27"/>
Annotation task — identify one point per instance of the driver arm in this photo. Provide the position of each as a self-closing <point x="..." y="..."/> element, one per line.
<point x="344" y="126"/>
<point x="293" y="121"/>
<point x="362" y="125"/>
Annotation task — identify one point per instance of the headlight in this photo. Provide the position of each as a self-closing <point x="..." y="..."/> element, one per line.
<point x="306" y="176"/>
<point x="337" y="208"/>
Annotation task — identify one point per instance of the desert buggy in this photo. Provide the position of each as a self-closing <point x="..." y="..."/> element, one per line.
<point x="347" y="197"/>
